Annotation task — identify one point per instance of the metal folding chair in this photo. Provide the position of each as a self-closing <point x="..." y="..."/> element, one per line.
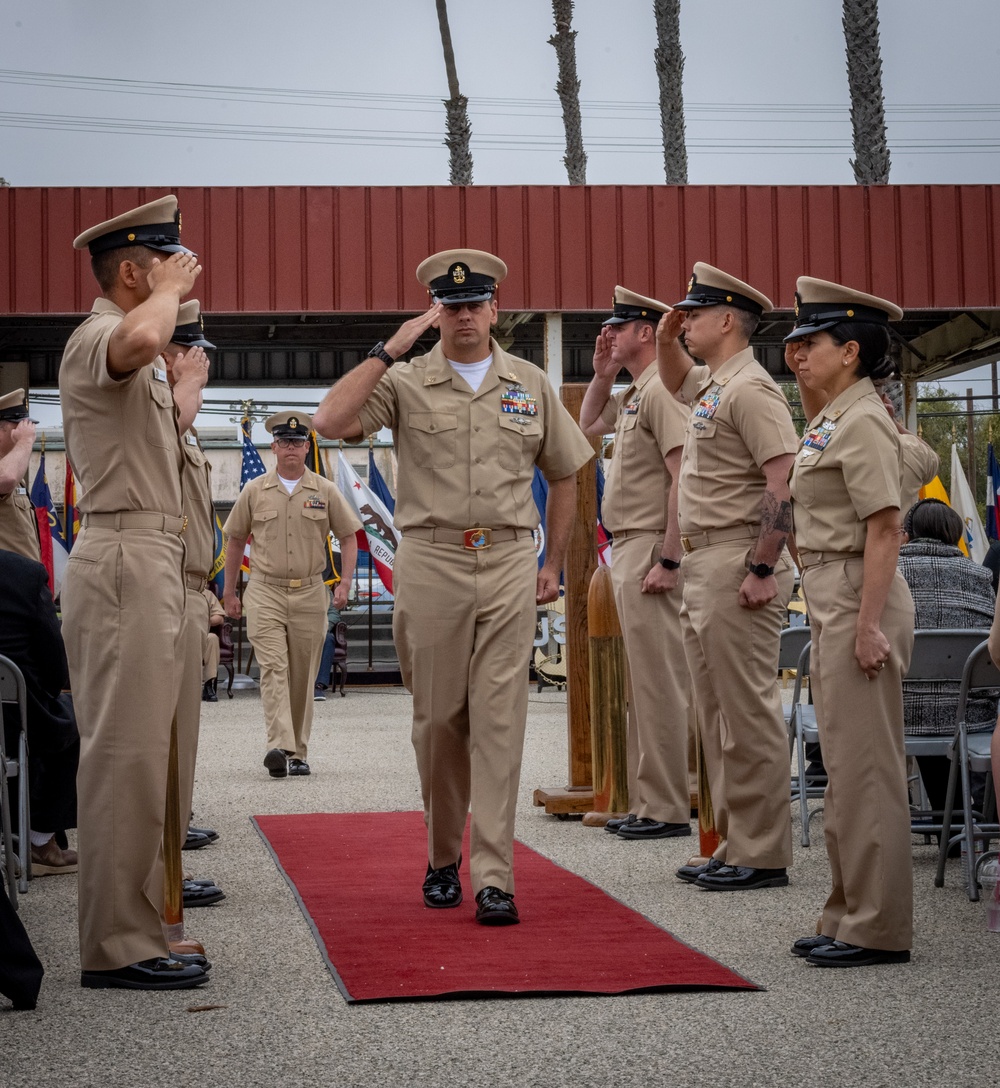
<point x="802" y="727"/>
<point x="969" y="752"/>
<point x="13" y="693"/>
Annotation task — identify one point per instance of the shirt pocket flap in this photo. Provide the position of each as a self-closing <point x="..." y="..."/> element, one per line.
<point x="265" y="515"/>
<point x="521" y="424"/>
<point x="433" y="422"/>
<point x="161" y="394"/>
<point x="314" y="514"/>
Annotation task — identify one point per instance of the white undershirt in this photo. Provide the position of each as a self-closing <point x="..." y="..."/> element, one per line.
<point x="289" y="484"/>
<point x="473" y="373"/>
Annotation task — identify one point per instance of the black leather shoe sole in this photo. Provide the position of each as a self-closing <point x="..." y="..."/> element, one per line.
<point x="839" y="954"/>
<point x="298" y="767"/>
<point x="195" y="958"/>
<point x="496" y="908"/>
<point x="690" y="873"/>
<point x="276" y="763"/>
<point x="615" y="825"/>
<point x="211" y="833"/>
<point x="155" y="974"/>
<point x="804" y="945"/>
<point x="200" y="895"/>
<point x="724" y="880"/>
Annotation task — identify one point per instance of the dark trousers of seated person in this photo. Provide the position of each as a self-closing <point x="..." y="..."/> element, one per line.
<point x="53" y="757"/>
<point x="934" y="771"/>
<point x="20" y="969"/>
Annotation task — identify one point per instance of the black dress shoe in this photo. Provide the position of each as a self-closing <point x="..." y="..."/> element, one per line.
<point x="690" y="873"/>
<point x="208" y="692"/>
<point x="615" y="825"/>
<point x="154" y="974"/>
<point x="804" y="945"/>
<point x="442" y="887"/>
<point x="298" y="766"/>
<point x="192" y="957"/>
<point x="737" y="877"/>
<point x="196" y="839"/>
<point x="644" y="828"/>
<point x="495" y="908"/>
<point x="839" y="954"/>
<point x="201" y="895"/>
<point x="276" y="762"/>
<point x="209" y="833"/>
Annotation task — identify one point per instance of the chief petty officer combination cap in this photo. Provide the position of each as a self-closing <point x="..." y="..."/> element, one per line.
<point x="288" y="425"/>
<point x="712" y="287"/>
<point x="190" y="329"/>
<point x="455" y="276"/>
<point x="156" y="225"/>
<point x="628" y="306"/>
<point x="14" y="407"/>
<point x="820" y="305"/>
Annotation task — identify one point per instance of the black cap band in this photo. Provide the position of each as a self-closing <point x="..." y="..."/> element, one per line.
<point x="162" y="236"/>
<point x="623" y="312"/>
<point x="813" y="317"/>
<point x="700" y="294"/>
<point x="192" y="334"/>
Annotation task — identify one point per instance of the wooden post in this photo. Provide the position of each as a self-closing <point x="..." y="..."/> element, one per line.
<point x="581" y="561"/>
<point x="173" y="875"/>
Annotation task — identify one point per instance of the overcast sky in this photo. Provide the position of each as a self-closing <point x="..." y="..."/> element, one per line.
<point x="128" y="92"/>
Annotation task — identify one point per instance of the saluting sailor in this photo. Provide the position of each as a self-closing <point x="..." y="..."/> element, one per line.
<point x="18" y="527"/>
<point x="470" y="422"/>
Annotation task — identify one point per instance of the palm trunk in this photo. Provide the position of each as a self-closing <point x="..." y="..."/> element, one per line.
<point x="458" y="129"/>
<point x="864" y="78"/>
<point x="669" y="59"/>
<point x="568" y="89"/>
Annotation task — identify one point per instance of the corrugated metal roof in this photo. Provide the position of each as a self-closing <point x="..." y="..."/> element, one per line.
<point x="314" y="249"/>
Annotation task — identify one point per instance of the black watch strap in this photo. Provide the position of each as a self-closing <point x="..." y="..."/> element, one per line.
<point x="670" y="564"/>
<point x="762" y="570"/>
<point x="379" y="352"/>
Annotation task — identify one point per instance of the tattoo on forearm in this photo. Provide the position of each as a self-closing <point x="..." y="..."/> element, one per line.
<point x="775" y="515"/>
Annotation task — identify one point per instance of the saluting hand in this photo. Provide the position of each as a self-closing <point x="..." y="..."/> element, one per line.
<point x="791" y="350"/>
<point x="24" y="432"/>
<point x="668" y="328"/>
<point x="603" y="366"/>
<point x="410" y="331"/>
<point x="178" y="272"/>
<point x="191" y="366"/>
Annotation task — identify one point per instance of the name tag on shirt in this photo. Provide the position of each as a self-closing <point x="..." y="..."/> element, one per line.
<point x="709" y="403"/>
<point x="20" y="491"/>
<point x="190" y="440"/>
<point x="516" y="400"/>
<point x="159" y="375"/>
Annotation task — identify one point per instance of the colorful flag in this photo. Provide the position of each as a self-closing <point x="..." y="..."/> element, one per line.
<point x="376" y="481"/>
<point x="217" y="575"/>
<point x="378" y="535"/>
<point x="540" y="493"/>
<point x="251" y="467"/>
<point x="50" y="533"/>
<point x="314" y="461"/>
<point x="964" y="505"/>
<point x="603" y="537"/>
<point x="992" y="487"/>
<point x="71" y="516"/>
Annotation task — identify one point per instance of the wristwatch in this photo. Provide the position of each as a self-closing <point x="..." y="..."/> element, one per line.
<point x="762" y="570"/>
<point x="670" y="564"/>
<point x="379" y="352"/>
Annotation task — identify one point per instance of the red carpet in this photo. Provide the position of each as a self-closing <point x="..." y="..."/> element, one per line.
<point x="357" y="877"/>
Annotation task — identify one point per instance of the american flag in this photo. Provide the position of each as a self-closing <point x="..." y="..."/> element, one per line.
<point x="250" y="469"/>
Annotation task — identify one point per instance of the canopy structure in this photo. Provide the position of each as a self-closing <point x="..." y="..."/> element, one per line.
<point x="299" y="282"/>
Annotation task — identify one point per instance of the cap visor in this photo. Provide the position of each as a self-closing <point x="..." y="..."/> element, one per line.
<point x="170" y="248"/>
<point x="800" y="332"/>
<point x="457" y="300"/>
<point x="617" y="321"/>
<point x="693" y="304"/>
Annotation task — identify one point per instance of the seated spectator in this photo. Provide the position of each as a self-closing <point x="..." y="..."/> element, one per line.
<point x="948" y="590"/>
<point x="210" y="648"/>
<point x="31" y="638"/>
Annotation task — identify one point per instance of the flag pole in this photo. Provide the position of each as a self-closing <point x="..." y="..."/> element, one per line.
<point x="371" y="608"/>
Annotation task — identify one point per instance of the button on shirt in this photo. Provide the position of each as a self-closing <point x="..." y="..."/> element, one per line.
<point x="846" y="469"/>
<point x="739" y="420"/>
<point x="467" y="459"/>
<point x="290" y="531"/>
<point x="648" y="424"/>
<point x="121" y="436"/>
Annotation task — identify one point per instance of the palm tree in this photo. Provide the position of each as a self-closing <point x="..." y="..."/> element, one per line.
<point x="669" y="59"/>
<point x="864" y="78"/>
<point x="458" y="129"/>
<point x="568" y="89"/>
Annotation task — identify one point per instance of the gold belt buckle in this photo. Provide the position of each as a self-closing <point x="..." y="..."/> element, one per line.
<point x="184" y="525"/>
<point x="478" y="539"/>
<point x="686" y="544"/>
<point x="294" y="583"/>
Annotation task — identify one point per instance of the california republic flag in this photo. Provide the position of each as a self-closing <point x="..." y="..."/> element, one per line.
<point x="378" y="535"/>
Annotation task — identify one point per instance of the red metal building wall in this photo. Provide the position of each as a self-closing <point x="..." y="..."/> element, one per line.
<point x="321" y="249"/>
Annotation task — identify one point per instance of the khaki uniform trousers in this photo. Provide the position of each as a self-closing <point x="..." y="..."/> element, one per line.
<point x="210" y="656"/>
<point x="659" y="684"/>
<point x="866" y="814"/>
<point x="463" y="624"/>
<point x="732" y="654"/>
<point x="287" y="628"/>
<point x="123" y="607"/>
<point x="189" y="700"/>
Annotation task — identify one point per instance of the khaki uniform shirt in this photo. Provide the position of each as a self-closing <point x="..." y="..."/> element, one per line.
<point x="847" y="468"/>
<point x="920" y="466"/>
<point x="648" y="423"/>
<point x="196" y="483"/>
<point x="290" y="530"/>
<point x="121" y="436"/>
<point x="18" y="527"/>
<point x="215" y="608"/>
<point x="467" y="459"/>
<point x="740" y="420"/>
